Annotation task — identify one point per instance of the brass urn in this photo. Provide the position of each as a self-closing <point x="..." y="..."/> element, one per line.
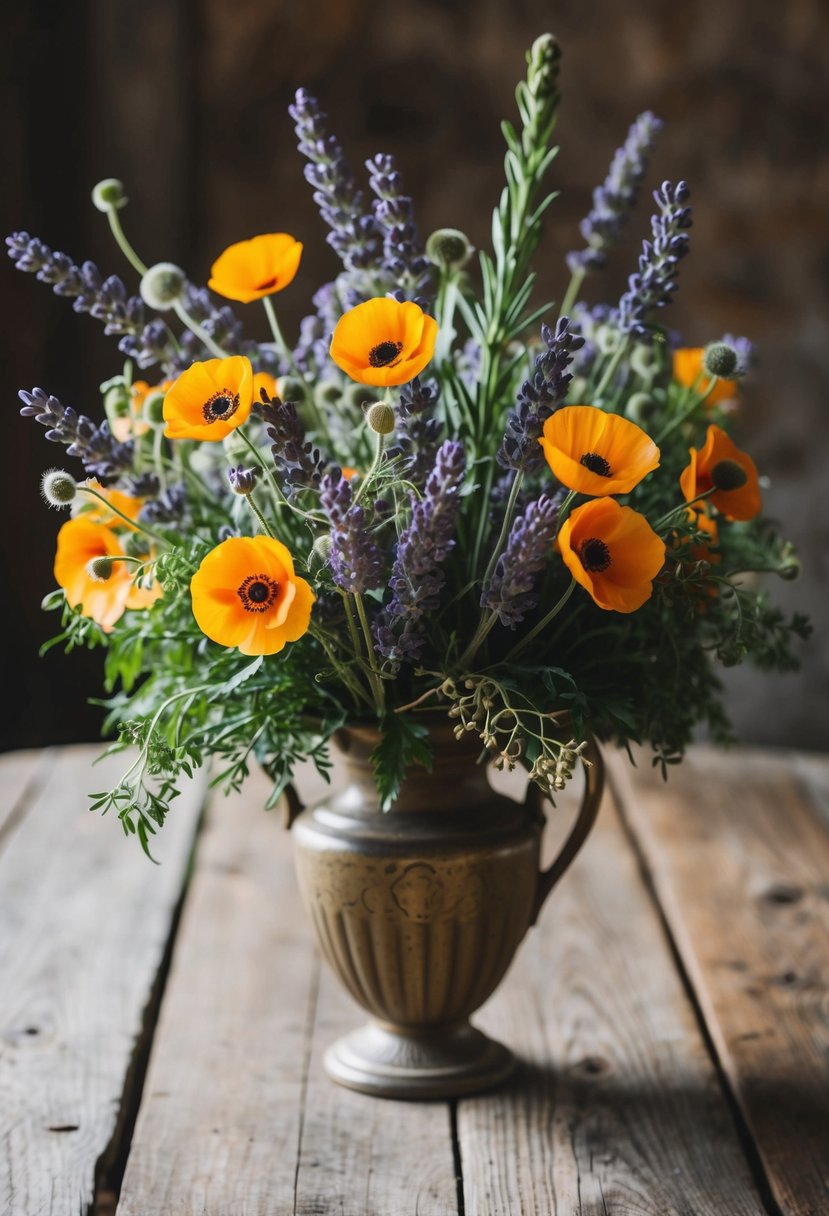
<point x="420" y="910"/>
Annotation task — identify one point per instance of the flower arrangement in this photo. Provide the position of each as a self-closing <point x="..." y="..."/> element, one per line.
<point x="423" y="504"/>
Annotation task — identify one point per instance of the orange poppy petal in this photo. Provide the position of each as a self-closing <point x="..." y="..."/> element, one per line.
<point x="79" y="541"/>
<point x="255" y="268"/>
<point x="742" y="503"/>
<point x="210" y="399"/>
<point x="613" y="552"/>
<point x="383" y="342"/>
<point x="593" y="452"/>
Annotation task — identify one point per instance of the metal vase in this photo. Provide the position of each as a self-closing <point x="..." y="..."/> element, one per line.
<point x="420" y="909"/>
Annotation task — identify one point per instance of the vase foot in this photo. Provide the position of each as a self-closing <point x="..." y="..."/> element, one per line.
<point x="440" y="1062"/>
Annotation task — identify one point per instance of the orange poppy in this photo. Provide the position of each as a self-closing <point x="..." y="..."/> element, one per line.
<point x="720" y="466"/>
<point x="80" y="541"/>
<point x="95" y="511"/>
<point x="263" y="380"/>
<point x="688" y="368"/>
<point x="593" y="452"/>
<point x="209" y="399"/>
<point x="252" y="269"/>
<point x="613" y="552"/>
<point x="383" y="342"/>
<point x="245" y="594"/>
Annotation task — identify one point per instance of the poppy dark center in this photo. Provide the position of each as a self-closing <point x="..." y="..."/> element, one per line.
<point x="266" y="286"/>
<point x="384" y="354"/>
<point x="594" y="555"/>
<point x="258" y="592"/>
<point x="223" y="404"/>
<point x="595" y="463"/>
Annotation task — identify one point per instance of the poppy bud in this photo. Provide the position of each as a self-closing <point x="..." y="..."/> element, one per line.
<point x="380" y="418"/>
<point x="58" y="488"/>
<point x="100" y="569"/>
<point x="639" y="406"/>
<point x="720" y="360"/>
<point x="449" y="248"/>
<point x="728" y="475"/>
<point x="163" y="285"/>
<point x="109" y="194"/>
<point x="321" y="549"/>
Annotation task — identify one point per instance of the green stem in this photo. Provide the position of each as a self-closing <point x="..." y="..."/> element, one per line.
<point x="122" y="242"/>
<point x="484" y="626"/>
<point x="280" y="497"/>
<point x="288" y="355"/>
<point x="612" y="365"/>
<point x="572" y="293"/>
<point x="375" y="465"/>
<point x="374" y="679"/>
<point x="696" y="401"/>
<point x="681" y="509"/>
<point x="202" y="334"/>
<point x="266" y="528"/>
<point x="345" y="675"/>
<point x="133" y="523"/>
<point x="543" y="623"/>
<point x="515" y="489"/>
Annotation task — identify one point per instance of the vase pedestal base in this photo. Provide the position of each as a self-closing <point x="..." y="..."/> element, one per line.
<point x="437" y="1062"/>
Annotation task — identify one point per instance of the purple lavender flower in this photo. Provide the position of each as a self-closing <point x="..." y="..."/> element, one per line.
<point x="418" y="431"/>
<point x="354" y="233"/>
<point x="102" y="455"/>
<point x="510" y="590"/>
<point x="746" y="353"/>
<point x="404" y="260"/>
<point x="299" y="462"/>
<point x="417" y="578"/>
<point x="654" y="284"/>
<point x="613" y="201"/>
<point x="539" y="397"/>
<point x="168" y="507"/>
<point x="355" y="560"/>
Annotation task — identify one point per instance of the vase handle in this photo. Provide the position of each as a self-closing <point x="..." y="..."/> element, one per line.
<point x="593" y="787"/>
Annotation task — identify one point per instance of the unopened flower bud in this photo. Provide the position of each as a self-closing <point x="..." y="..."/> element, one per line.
<point x="789" y="567"/>
<point x="728" y="475"/>
<point x="109" y="194"/>
<point x="153" y="409"/>
<point x="639" y="406"/>
<point x="327" y="393"/>
<point x="322" y="549"/>
<point x="163" y="285"/>
<point x="380" y="418"/>
<point x="720" y="360"/>
<point x="448" y="247"/>
<point x="59" y="489"/>
<point x="100" y="569"/>
<point x="117" y="402"/>
<point x="242" y="480"/>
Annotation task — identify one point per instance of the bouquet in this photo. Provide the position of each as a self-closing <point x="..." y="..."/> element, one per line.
<point x="448" y="495"/>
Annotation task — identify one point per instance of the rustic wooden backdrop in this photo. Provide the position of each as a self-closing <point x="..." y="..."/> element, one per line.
<point x="186" y="101"/>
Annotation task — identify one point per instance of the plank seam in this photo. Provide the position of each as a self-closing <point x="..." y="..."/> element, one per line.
<point x="313" y="999"/>
<point x="741" y="1127"/>
<point x="29" y="794"/>
<point x="456" y="1156"/>
<point x="112" y="1162"/>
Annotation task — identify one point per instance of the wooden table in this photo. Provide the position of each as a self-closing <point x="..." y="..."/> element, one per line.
<point x="161" y="1028"/>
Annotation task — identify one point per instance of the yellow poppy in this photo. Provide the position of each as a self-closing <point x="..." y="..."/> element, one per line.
<point x="245" y="594"/>
<point x="688" y="367"/>
<point x="209" y="399"/>
<point x="252" y="269"/>
<point x="383" y="342"/>
<point x="593" y="452"/>
<point x="720" y="466"/>
<point x="80" y="541"/>
<point x="613" y="552"/>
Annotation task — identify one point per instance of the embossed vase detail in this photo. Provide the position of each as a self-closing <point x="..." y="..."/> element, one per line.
<point x="420" y="909"/>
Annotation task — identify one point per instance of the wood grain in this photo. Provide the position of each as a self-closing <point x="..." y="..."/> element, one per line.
<point x="618" y="1110"/>
<point x="219" y="1124"/>
<point x="363" y="1156"/>
<point x="21" y="773"/>
<point x="85" y="921"/>
<point x="739" y="854"/>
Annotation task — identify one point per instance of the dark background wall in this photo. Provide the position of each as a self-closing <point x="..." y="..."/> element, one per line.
<point x="186" y="101"/>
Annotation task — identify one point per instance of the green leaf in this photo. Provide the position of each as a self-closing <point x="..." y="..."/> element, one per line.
<point x="404" y="742"/>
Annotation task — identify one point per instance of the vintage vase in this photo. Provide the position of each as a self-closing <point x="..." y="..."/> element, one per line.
<point x="420" y="909"/>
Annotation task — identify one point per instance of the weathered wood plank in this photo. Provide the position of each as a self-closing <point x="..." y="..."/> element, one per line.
<point x="84" y="922"/>
<point x="617" y="1110"/>
<point x="363" y="1156"/>
<point x="740" y="861"/>
<point x="218" y="1129"/>
<point x="21" y="773"/>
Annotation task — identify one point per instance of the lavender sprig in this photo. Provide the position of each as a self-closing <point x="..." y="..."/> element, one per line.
<point x="354" y="233"/>
<point x="509" y="592"/>
<point x="102" y="455"/>
<point x="355" y="560"/>
<point x="613" y="201"/>
<point x="654" y="284"/>
<point x="539" y="397"/>
<point x="296" y="458"/>
<point x="418" y="430"/>
<point x="417" y="578"/>
<point x="404" y="259"/>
